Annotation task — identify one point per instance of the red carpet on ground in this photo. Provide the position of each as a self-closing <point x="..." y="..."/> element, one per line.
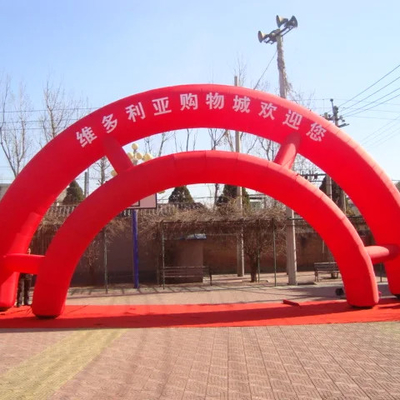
<point x="203" y="315"/>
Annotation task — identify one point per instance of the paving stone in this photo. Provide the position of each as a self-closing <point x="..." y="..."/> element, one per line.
<point x="349" y="361"/>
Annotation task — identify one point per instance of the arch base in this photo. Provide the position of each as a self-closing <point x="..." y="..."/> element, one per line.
<point x="362" y="307"/>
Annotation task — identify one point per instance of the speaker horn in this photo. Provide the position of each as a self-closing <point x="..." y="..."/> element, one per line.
<point x="293" y="22"/>
<point x="261" y="36"/>
<point x="281" y="21"/>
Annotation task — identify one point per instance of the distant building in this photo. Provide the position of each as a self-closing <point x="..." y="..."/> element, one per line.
<point x="259" y="201"/>
<point x="3" y="189"/>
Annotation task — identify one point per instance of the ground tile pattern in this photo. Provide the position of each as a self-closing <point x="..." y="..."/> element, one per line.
<point x="349" y="361"/>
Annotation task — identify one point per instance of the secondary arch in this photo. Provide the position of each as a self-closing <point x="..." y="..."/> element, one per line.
<point x="56" y="269"/>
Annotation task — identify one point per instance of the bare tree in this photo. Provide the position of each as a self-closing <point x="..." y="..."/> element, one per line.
<point x="156" y="144"/>
<point x="305" y="100"/>
<point x="60" y="111"/>
<point x="14" y="138"/>
<point x="92" y="258"/>
<point x="5" y="90"/>
<point x="264" y="231"/>
<point x="193" y="135"/>
<point x="97" y="249"/>
<point x="240" y="71"/>
<point x="228" y="140"/>
<point x="95" y="255"/>
<point x="263" y="147"/>
<point x="183" y="144"/>
<point x="248" y="141"/>
<point x="267" y="148"/>
<point x="216" y="138"/>
<point x="303" y="165"/>
<point x="164" y="138"/>
<point x="102" y="169"/>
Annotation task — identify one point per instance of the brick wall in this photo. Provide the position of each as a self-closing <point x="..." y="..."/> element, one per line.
<point x="219" y="253"/>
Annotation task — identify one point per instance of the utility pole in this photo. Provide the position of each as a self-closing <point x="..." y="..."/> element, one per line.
<point x="277" y="36"/>
<point x="281" y="67"/>
<point x="240" y="239"/>
<point x="291" y="260"/>
<point x="86" y="183"/>
<point x="340" y="123"/>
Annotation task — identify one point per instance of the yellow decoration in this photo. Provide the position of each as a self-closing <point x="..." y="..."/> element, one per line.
<point x="147" y="157"/>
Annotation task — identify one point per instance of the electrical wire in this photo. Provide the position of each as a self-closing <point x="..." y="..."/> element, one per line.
<point x="266" y="69"/>
<point x="369" y="87"/>
<point x="384" y="111"/>
<point x="376" y="91"/>
<point x="96" y="108"/>
<point x="361" y="110"/>
<point x="54" y="110"/>
<point x="385" y="137"/>
<point x="388" y="125"/>
<point x="380" y="118"/>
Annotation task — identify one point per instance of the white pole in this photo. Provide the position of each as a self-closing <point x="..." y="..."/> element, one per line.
<point x="240" y="239"/>
<point x="291" y="261"/>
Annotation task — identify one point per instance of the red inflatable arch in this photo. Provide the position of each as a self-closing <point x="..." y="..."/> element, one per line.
<point x="202" y="167"/>
<point x="105" y="131"/>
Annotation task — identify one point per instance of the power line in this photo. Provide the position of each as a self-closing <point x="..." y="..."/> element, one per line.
<point x="369" y="87"/>
<point x="361" y="109"/>
<point x="381" y="118"/>
<point x="376" y="91"/>
<point x="383" y="136"/>
<point x="376" y="102"/>
<point x="55" y="110"/>
<point x="266" y="69"/>
<point x="378" y="111"/>
<point x="388" y="125"/>
<point x="96" y="108"/>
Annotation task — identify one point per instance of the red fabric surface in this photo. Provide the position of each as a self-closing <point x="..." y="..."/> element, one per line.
<point x="203" y="315"/>
<point x="163" y="110"/>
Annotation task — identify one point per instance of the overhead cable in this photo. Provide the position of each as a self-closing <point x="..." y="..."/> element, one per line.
<point x="363" y="109"/>
<point x="369" y="87"/>
<point x="376" y="91"/>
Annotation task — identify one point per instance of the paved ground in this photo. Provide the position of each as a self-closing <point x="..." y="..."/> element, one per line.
<point x="351" y="361"/>
<point x="225" y="289"/>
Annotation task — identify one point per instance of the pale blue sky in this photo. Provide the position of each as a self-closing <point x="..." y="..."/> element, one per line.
<point x="105" y="50"/>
